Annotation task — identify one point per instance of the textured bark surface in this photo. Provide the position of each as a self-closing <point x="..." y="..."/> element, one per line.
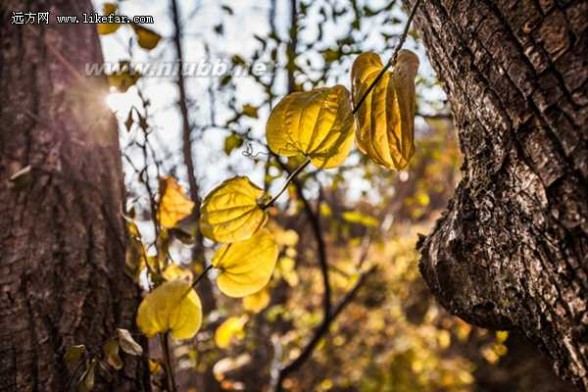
<point x="511" y="252"/>
<point x="62" y="237"/>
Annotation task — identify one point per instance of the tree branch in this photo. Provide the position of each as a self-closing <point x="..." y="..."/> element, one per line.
<point x="321" y="331"/>
<point x="320" y="241"/>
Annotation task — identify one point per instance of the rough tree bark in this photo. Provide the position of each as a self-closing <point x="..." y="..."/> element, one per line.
<point x="62" y="237"/>
<point x="511" y="251"/>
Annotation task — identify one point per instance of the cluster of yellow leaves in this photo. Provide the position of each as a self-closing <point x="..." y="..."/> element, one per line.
<point x="386" y="130"/>
<point x="320" y="124"/>
<point x="230" y="213"/>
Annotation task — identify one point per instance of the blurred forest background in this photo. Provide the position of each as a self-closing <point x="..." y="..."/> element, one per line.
<point x="363" y="220"/>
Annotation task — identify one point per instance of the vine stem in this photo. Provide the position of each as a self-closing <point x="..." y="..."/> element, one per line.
<point x="171" y="382"/>
<point x="286" y="183"/>
<point x="392" y="60"/>
<point x="202" y="275"/>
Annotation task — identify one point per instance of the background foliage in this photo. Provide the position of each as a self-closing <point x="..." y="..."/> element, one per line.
<point x="362" y="218"/>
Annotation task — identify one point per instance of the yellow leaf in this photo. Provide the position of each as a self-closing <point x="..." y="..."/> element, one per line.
<point x="174" y="205"/>
<point x="232" y="142"/>
<point x="230" y="330"/>
<point x="108" y="28"/>
<point x="175" y="307"/>
<point x="257" y="302"/>
<point x="283" y="237"/>
<point x="250" y="111"/>
<point x="246" y="267"/>
<point x="287" y="270"/>
<point x="317" y="123"/>
<point x="232" y="211"/>
<point x="123" y="79"/>
<point x="386" y="117"/>
<point x="147" y="38"/>
<point x="154" y="367"/>
<point x="174" y="271"/>
<point x="358" y="217"/>
<point x="325" y="210"/>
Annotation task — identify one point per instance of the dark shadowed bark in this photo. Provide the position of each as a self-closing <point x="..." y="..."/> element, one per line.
<point x="511" y="252"/>
<point x="62" y="237"/>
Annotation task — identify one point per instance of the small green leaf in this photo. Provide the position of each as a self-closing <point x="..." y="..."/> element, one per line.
<point x="232" y="142"/>
<point x="74" y="353"/>
<point x="129" y="121"/>
<point x="250" y="111"/>
<point x="88" y="378"/>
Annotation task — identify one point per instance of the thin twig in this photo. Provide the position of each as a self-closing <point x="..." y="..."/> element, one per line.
<point x="169" y="370"/>
<point x="202" y="275"/>
<point x="198" y="250"/>
<point x="318" y="234"/>
<point x="286" y="183"/>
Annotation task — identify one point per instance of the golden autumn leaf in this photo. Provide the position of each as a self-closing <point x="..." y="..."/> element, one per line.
<point x="108" y="28"/>
<point x="154" y="367"/>
<point x="174" y="271"/>
<point x="318" y="124"/>
<point x="386" y="117"/>
<point x="250" y="111"/>
<point x="174" y="204"/>
<point x="172" y="307"/>
<point x="359" y="218"/>
<point x="123" y="79"/>
<point x="246" y="267"/>
<point x="233" y="211"/>
<point x="230" y="330"/>
<point x="283" y="237"/>
<point x="257" y="302"/>
<point x="147" y="38"/>
<point x="232" y="142"/>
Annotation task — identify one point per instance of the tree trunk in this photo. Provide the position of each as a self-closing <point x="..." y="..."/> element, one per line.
<point x="62" y="236"/>
<point x="511" y="252"/>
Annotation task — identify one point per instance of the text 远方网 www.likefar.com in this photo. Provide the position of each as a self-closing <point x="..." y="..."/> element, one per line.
<point x="45" y="17"/>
